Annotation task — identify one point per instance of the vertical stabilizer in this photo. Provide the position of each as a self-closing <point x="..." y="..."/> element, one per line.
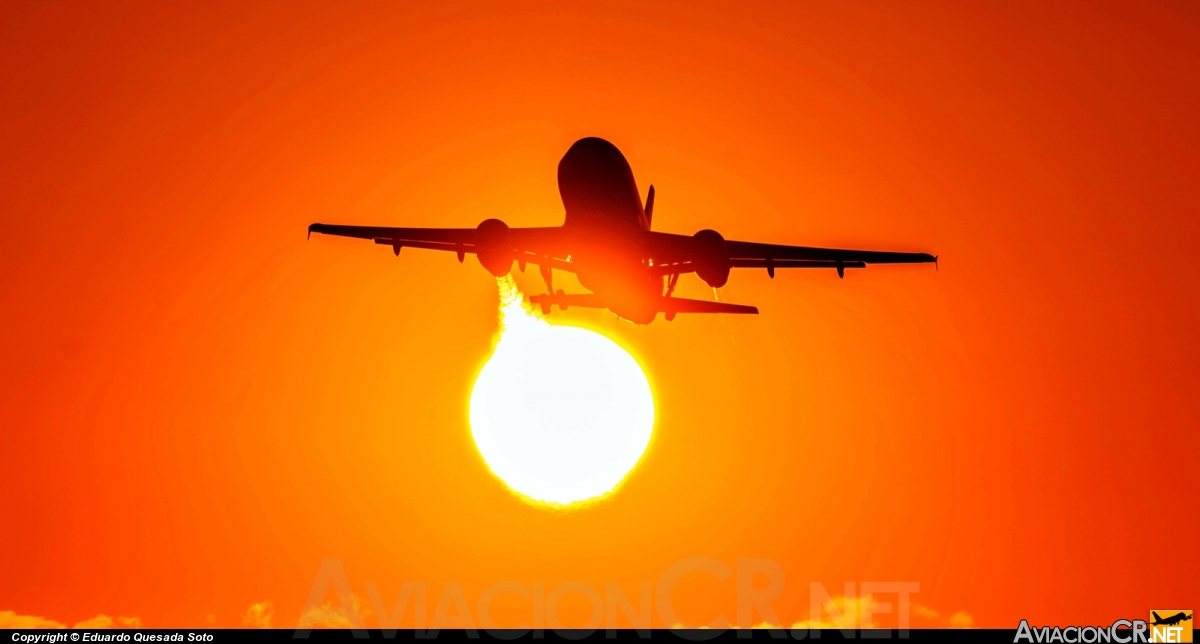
<point x="650" y="207"/>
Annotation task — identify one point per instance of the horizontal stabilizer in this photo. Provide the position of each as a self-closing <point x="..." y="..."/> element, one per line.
<point x="565" y="301"/>
<point x="668" y="305"/>
<point x="680" y="305"/>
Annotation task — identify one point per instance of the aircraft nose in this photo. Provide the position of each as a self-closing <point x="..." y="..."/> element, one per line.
<point x="592" y="143"/>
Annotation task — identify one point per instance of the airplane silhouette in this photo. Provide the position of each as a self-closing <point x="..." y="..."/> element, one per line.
<point x="1170" y="621"/>
<point x="607" y="243"/>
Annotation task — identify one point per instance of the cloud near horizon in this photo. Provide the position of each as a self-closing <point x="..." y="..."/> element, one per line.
<point x="9" y="619"/>
<point x="327" y="615"/>
<point x="104" y="621"/>
<point x="844" y="613"/>
<point x="259" y="615"/>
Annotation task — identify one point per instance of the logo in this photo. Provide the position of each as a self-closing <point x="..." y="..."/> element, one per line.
<point x="1164" y="626"/>
<point x="1170" y="625"/>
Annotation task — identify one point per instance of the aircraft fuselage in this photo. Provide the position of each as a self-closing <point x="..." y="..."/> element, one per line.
<point x="607" y="220"/>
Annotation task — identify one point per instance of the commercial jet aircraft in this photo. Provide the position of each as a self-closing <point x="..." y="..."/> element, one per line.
<point x="1169" y="621"/>
<point x="606" y="241"/>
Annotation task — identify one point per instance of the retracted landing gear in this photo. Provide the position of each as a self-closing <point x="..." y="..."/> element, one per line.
<point x="547" y="301"/>
<point x="671" y="282"/>
<point x="669" y="314"/>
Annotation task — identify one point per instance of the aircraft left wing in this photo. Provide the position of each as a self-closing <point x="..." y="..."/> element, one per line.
<point x="540" y="246"/>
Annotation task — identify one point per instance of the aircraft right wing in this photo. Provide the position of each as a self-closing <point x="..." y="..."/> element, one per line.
<point x="677" y="253"/>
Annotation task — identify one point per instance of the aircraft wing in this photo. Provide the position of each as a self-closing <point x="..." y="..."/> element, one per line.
<point x="541" y="246"/>
<point x="676" y="252"/>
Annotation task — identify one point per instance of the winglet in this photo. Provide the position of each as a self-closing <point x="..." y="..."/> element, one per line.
<point x="311" y="228"/>
<point x="935" y="263"/>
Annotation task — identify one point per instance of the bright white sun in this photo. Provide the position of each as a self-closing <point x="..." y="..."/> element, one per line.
<point x="560" y="414"/>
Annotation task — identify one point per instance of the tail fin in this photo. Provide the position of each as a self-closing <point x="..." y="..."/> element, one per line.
<point x="650" y="207"/>
<point x="1156" y="617"/>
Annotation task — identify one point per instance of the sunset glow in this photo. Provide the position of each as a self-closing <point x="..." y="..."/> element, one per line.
<point x="199" y="404"/>
<point x="561" y="414"/>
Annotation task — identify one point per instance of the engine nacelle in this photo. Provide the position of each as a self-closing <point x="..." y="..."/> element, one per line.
<point x="711" y="258"/>
<point x="492" y="247"/>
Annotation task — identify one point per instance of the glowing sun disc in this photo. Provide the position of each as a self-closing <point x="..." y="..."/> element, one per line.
<point x="560" y="414"/>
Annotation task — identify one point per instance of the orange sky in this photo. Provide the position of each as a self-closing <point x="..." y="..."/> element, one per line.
<point x="197" y="406"/>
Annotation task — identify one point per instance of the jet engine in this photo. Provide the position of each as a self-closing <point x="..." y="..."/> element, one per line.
<point x="492" y="247"/>
<point x="711" y="258"/>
